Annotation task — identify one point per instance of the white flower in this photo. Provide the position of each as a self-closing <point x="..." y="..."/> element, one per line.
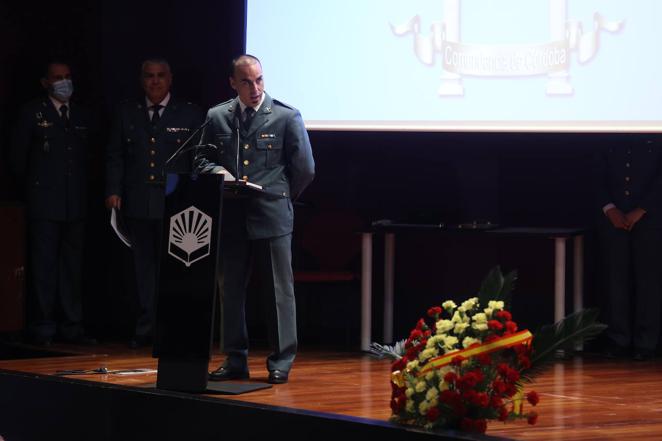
<point x="457" y="317"/>
<point x="450" y="342"/>
<point x="469" y="304"/>
<point x="460" y="328"/>
<point x="494" y="304"/>
<point x="432" y="393"/>
<point x="434" y="403"/>
<point x="412" y="365"/>
<point x="430" y="376"/>
<point x="420" y="386"/>
<point x="468" y="341"/>
<point x="409" y="392"/>
<point x="488" y="312"/>
<point x="449" y="305"/>
<point x="423" y="407"/>
<point x="444" y="326"/>
<point x="443" y="386"/>
<point x="480" y="326"/>
<point x="410" y="406"/>
<point x="480" y="318"/>
<point x="428" y="353"/>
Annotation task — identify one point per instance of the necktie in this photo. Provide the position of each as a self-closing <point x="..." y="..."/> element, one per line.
<point x="155" y="113"/>
<point x="64" y="114"/>
<point x="248" y="116"/>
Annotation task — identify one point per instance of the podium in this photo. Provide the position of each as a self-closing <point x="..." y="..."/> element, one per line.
<point x="187" y="280"/>
<point x="187" y="285"/>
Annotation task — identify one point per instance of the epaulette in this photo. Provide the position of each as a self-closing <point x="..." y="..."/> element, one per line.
<point x="280" y="103"/>
<point x="223" y="103"/>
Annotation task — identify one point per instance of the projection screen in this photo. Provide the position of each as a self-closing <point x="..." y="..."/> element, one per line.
<point x="463" y="65"/>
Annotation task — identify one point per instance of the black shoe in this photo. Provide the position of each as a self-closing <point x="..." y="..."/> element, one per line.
<point x="643" y="355"/>
<point x="224" y="373"/>
<point x="140" y="341"/>
<point x="278" y="377"/>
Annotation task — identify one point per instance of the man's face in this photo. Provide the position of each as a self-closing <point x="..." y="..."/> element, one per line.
<point x="56" y="72"/>
<point x="156" y="81"/>
<point x="247" y="81"/>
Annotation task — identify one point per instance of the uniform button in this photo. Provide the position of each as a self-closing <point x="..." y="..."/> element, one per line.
<point x="268" y="146"/>
<point x="222" y="151"/>
<point x="247" y="146"/>
<point x="245" y="178"/>
<point x="627" y="192"/>
<point x="151" y="164"/>
<point x="152" y="152"/>
<point x="128" y="139"/>
<point x="629" y="151"/>
<point x="246" y="162"/>
<point x="69" y="148"/>
<point x="152" y="140"/>
<point x="627" y="179"/>
<point x="151" y="177"/>
<point x="627" y="164"/>
<point x="284" y="194"/>
<point x="179" y="141"/>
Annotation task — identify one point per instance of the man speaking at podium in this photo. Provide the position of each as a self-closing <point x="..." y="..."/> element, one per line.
<point x="264" y="141"/>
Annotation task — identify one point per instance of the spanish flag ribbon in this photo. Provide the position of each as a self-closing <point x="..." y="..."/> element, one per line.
<point x="522" y="337"/>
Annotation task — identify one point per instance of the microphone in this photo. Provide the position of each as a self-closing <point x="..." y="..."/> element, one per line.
<point x="181" y="148"/>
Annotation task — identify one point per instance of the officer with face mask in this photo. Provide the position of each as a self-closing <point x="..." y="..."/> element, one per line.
<point x="49" y="155"/>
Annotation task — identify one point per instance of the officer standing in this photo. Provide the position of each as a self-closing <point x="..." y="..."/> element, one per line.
<point x="146" y="132"/>
<point x="49" y="153"/>
<point x="630" y="229"/>
<point x="261" y="140"/>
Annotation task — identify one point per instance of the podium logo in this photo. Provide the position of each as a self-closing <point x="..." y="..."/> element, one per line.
<point x="190" y="235"/>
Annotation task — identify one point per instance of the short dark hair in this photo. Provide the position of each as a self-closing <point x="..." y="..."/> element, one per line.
<point x="52" y="62"/>
<point x="155" y="60"/>
<point x="236" y="61"/>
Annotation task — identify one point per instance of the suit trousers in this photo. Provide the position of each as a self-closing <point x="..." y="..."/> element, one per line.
<point x="146" y="241"/>
<point x="56" y="256"/>
<point x="271" y="259"/>
<point x="633" y="284"/>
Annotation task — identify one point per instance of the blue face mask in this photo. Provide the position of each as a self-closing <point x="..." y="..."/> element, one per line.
<point x="62" y="89"/>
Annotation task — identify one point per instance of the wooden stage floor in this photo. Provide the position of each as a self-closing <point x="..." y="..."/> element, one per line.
<point x="584" y="398"/>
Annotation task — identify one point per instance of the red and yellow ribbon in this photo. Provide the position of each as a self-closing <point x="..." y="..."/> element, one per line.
<point x="522" y="337"/>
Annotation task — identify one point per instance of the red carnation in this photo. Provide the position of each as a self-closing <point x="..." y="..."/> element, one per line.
<point x="398" y="403"/>
<point x="490" y="338"/>
<point x="512" y="376"/>
<point x="532" y="397"/>
<point x="533" y="418"/>
<point x="434" y="311"/>
<point x="524" y="361"/>
<point x="481" y="399"/>
<point x="484" y="359"/>
<point x="504" y="315"/>
<point x="421" y="325"/>
<point x="511" y="326"/>
<point x="415" y="334"/>
<point x="496" y="402"/>
<point x="449" y="397"/>
<point x="450" y="377"/>
<point x="481" y="426"/>
<point x="503" y="414"/>
<point x="457" y="361"/>
<point x="499" y="386"/>
<point x="433" y="414"/>
<point x="495" y="325"/>
<point x="399" y="365"/>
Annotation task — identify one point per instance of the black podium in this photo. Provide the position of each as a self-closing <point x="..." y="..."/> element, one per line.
<point x="188" y="281"/>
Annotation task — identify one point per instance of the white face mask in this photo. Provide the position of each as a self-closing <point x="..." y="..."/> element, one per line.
<point x="62" y="90"/>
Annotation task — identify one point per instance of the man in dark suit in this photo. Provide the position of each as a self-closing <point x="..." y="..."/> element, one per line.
<point x="264" y="141"/>
<point x="50" y="148"/>
<point x="146" y="132"/>
<point x="630" y="229"/>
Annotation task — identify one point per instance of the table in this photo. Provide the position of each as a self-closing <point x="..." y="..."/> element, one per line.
<point x="389" y="230"/>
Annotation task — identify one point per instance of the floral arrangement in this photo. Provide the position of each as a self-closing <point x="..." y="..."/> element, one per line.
<point x="464" y="365"/>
